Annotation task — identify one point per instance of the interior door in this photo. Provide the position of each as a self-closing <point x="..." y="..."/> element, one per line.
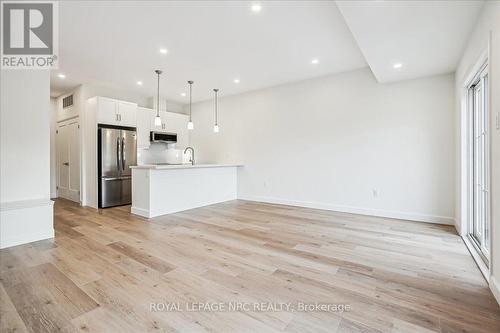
<point x="68" y="160"/>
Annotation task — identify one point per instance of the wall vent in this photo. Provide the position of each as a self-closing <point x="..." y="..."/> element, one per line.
<point x="67" y="101"/>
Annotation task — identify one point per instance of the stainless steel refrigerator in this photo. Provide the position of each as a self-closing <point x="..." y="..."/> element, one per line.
<point x="117" y="151"/>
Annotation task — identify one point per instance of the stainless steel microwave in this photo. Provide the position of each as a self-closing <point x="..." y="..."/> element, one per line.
<point x="162" y="137"/>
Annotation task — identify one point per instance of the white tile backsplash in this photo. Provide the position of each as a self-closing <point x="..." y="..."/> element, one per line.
<point x="159" y="152"/>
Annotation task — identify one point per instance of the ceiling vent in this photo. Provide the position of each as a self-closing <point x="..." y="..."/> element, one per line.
<point x="67" y="101"/>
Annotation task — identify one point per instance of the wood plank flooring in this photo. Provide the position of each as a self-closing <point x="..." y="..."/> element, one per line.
<point x="104" y="269"/>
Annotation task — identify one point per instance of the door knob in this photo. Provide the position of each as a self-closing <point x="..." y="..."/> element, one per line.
<point x="66" y="163"/>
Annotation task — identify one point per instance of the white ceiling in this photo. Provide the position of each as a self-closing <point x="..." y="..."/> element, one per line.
<point x="426" y="37"/>
<point x="212" y="43"/>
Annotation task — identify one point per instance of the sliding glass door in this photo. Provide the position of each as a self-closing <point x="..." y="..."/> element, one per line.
<point x="479" y="217"/>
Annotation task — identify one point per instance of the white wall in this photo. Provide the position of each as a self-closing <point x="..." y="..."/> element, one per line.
<point x="25" y="159"/>
<point x="25" y="206"/>
<point x="329" y="142"/>
<point x="488" y="22"/>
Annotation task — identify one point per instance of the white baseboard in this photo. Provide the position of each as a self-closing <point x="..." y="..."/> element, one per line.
<point x="140" y="212"/>
<point x="26" y="221"/>
<point x="477" y="258"/>
<point x="495" y="288"/>
<point x="354" y="210"/>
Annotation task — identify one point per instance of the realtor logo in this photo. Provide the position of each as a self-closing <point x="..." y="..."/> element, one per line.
<point x="29" y="34"/>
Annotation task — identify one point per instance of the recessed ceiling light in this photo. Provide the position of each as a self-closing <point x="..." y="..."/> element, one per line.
<point x="139" y="83"/>
<point x="236" y="80"/>
<point x="61" y="76"/>
<point x="256" y="7"/>
<point x="397" y="65"/>
<point x="183" y="94"/>
<point x="163" y="51"/>
<point x="315" y="61"/>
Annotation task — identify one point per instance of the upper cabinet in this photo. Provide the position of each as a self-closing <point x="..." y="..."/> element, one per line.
<point x="144" y="117"/>
<point x="164" y="120"/>
<point x="119" y="113"/>
<point x="127" y="114"/>
<point x="115" y="112"/>
<point x="170" y="122"/>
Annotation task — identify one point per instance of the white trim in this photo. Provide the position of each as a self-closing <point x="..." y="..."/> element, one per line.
<point x="22" y="204"/>
<point x="59" y="122"/>
<point x="458" y="226"/>
<point x="477" y="258"/>
<point x="495" y="288"/>
<point x="26" y="238"/>
<point x="354" y="210"/>
<point x="140" y="212"/>
<point x="481" y="64"/>
<point x="465" y="141"/>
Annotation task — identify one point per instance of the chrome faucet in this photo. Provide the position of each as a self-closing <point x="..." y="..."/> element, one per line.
<point x="192" y="154"/>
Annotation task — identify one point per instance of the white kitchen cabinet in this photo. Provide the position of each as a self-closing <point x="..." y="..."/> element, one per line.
<point x="171" y="122"/>
<point x="106" y="111"/>
<point x="164" y="119"/>
<point x="127" y="114"/>
<point x="177" y="123"/>
<point x="144" y="117"/>
<point x="114" y="112"/>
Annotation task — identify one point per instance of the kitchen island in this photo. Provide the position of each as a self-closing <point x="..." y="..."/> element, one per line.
<point x="165" y="189"/>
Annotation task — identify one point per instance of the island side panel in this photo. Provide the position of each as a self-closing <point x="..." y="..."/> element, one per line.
<point x="141" y="192"/>
<point x="181" y="189"/>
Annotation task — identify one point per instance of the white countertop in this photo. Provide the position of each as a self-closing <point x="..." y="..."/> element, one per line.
<point x="182" y="166"/>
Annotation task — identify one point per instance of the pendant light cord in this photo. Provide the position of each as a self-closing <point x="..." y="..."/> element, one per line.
<point x="216" y="106"/>
<point x="190" y="97"/>
<point x="158" y="94"/>
<point x="158" y="97"/>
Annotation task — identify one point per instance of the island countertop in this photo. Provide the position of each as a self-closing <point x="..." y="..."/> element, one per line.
<point x="182" y="166"/>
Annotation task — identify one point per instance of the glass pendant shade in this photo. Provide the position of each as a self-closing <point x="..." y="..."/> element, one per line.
<point x="157" y="121"/>
<point x="216" y="128"/>
<point x="190" y="125"/>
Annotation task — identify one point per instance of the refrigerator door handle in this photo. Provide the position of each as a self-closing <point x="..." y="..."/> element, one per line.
<point x="106" y="179"/>
<point x="123" y="154"/>
<point x="118" y="153"/>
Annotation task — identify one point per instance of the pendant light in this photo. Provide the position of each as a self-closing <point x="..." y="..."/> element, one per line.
<point x="158" y="118"/>
<point x="190" y="123"/>
<point x="216" y="126"/>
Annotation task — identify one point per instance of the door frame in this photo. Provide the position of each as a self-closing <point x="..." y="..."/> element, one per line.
<point x="60" y="124"/>
<point x="483" y="261"/>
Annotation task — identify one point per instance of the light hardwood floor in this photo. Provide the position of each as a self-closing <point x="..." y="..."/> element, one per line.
<point x="104" y="269"/>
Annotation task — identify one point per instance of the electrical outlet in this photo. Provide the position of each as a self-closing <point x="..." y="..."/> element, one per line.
<point x="375" y="193"/>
